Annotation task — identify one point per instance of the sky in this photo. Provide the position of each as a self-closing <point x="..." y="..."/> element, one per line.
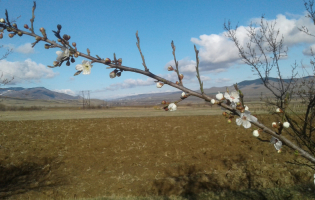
<point x="107" y="27"/>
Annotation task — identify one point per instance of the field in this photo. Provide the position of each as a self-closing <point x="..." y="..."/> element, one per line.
<point x="133" y="153"/>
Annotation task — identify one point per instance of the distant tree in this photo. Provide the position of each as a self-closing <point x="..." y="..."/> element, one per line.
<point x="263" y="53"/>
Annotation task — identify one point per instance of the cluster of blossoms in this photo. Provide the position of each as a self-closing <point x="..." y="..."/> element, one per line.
<point x="233" y="99"/>
<point x="169" y="106"/>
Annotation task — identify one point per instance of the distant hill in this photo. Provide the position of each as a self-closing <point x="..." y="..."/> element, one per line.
<point x="40" y="93"/>
<point x="252" y="90"/>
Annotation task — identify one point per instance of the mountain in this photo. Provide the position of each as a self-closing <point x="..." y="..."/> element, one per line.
<point x="35" y="93"/>
<point x="252" y="90"/>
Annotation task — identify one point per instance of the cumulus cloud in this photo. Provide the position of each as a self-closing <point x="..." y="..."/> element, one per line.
<point x="24" y="49"/>
<point x="217" y="53"/>
<point x="27" y="70"/>
<point x="66" y="91"/>
<point x="130" y="83"/>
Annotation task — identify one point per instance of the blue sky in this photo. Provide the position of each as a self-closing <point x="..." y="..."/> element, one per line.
<point x="107" y="27"/>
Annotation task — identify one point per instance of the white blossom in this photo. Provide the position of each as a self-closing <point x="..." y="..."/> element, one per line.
<point x="213" y="101"/>
<point x="246" y="107"/>
<point x="62" y="55"/>
<point x="219" y="96"/>
<point x="159" y="84"/>
<point x="183" y="94"/>
<point x="276" y="142"/>
<point x="172" y="107"/>
<point x="233" y="97"/>
<point x="85" y="67"/>
<point x="286" y="124"/>
<point x="256" y="133"/>
<point x="245" y="119"/>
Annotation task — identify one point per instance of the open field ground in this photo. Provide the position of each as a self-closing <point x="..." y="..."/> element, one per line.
<point x="164" y="157"/>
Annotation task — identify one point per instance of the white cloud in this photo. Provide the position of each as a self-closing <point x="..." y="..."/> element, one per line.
<point x="217" y="52"/>
<point x="130" y="83"/>
<point x="222" y="80"/>
<point x="205" y="78"/>
<point x="66" y="91"/>
<point x="24" y="49"/>
<point x="24" y="71"/>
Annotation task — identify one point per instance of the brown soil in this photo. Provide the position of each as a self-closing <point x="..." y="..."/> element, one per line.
<point x="145" y="156"/>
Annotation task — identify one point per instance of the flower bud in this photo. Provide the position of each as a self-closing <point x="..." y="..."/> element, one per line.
<point x="274" y="125"/>
<point x="42" y="30"/>
<point x="213" y="101"/>
<point x="163" y="102"/>
<point x="26" y="26"/>
<point x="118" y="74"/>
<point x="46" y="46"/>
<point x="1" y="35"/>
<point x="177" y="82"/>
<point x="2" y="20"/>
<point x="59" y="27"/>
<point x="181" y="76"/>
<point x="72" y="60"/>
<point x="120" y="60"/>
<point x="107" y="61"/>
<point x="55" y="63"/>
<point x="74" y="44"/>
<point x="279" y="151"/>
<point x="286" y="124"/>
<point x="255" y="133"/>
<point x="229" y="121"/>
<point x="224" y="113"/>
<point x="170" y="68"/>
<point x="184" y="95"/>
<point x="166" y="108"/>
<point x="278" y="110"/>
<point x="20" y="33"/>
<point x="112" y="74"/>
<point x="76" y="54"/>
<point x="66" y="37"/>
<point x="246" y="107"/>
<point x="59" y="40"/>
<point x="11" y="35"/>
<point x="159" y="84"/>
<point x="38" y="38"/>
<point x="68" y="63"/>
<point x="14" y="25"/>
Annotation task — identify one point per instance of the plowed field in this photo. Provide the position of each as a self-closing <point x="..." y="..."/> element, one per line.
<point x="179" y="156"/>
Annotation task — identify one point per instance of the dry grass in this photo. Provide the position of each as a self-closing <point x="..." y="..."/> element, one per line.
<point x="174" y="156"/>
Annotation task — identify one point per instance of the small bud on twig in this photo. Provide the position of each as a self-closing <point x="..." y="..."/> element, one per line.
<point x="74" y="44"/>
<point x="14" y="25"/>
<point x="11" y="35"/>
<point x="26" y="26"/>
<point x="107" y="61"/>
<point x="170" y="68"/>
<point x="2" y="20"/>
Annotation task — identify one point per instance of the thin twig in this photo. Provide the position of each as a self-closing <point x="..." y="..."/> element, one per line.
<point x="143" y="60"/>
<point x="197" y="70"/>
<point x="33" y="17"/>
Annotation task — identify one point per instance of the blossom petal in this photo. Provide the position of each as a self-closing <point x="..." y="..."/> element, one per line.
<point x="239" y="121"/>
<point x="79" y="67"/>
<point x="278" y="145"/>
<point x="246" y="124"/>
